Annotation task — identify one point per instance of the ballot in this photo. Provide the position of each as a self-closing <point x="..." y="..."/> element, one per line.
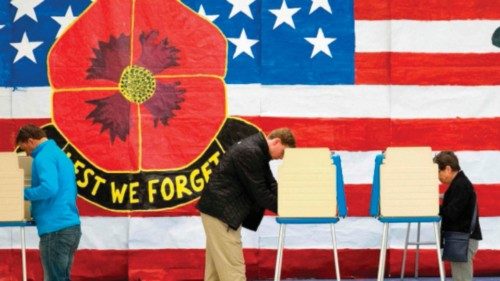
<point x="307" y="184"/>
<point x="15" y="174"/>
<point x="409" y="185"/>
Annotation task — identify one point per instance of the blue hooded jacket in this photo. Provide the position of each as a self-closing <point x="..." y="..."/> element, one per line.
<point x="53" y="191"/>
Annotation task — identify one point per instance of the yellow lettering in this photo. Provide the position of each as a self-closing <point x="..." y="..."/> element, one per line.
<point x="214" y="158"/>
<point x="167" y="182"/>
<point x="98" y="181"/>
<point x="78" y="164"/>
<point x="152" y="189"/>
<point x="118" y="194"/>
<point x="180" y="184"/>
<point x="132" y="193"/>
<point x="196" y="183"/>
<point x="85" y="181"/>
<point x="206" y="171"/>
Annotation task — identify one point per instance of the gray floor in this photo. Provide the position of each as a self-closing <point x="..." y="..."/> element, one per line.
<point x="429" y="279"/>
<point x="406" y="279"/>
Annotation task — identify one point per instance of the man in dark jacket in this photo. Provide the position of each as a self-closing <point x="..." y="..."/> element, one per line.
<point x="457" y="209"/>
<point x="240" y="189"/>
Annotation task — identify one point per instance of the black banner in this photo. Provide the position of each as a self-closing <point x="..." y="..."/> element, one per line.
<point x="151" y="190"/>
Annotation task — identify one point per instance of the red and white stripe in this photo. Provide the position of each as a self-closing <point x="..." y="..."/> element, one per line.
<point x="444" y="77"/>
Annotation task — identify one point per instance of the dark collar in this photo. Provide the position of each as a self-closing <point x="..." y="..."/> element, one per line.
<point x="262" y="143"/>
<point x="459" y="175"/>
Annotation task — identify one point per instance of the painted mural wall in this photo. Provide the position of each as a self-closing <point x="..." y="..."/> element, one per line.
<point x="146" y="95"/>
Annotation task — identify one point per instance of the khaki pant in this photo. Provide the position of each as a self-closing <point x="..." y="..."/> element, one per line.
<point x="463" y="271"/>
<point x="224" y="252"/>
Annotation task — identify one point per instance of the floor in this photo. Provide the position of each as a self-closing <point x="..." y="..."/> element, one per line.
<point x="406" y="279"/>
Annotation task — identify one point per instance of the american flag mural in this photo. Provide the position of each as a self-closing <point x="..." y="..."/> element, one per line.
<point x="355" y="76"/>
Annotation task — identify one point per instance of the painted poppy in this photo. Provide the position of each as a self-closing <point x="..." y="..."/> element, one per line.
<point x="138" y="84"/>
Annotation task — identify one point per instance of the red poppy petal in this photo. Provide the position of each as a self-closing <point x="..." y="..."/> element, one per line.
<point x="72" y="55"/>
<point x="167" y="99"/>
<point x="157" y="54"/>
<point x="191" y="129"/>
<point x="70" y="112"/>
<point x="113" y="114"/>
<point x="201" y="45"/>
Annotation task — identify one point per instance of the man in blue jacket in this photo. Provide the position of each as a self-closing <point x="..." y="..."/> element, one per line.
<point x="53" y="202"/>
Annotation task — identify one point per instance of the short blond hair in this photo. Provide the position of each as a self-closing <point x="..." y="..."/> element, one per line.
<point x="285" y="135"/>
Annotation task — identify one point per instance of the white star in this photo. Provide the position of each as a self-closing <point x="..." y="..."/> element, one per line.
<point x="26" y="7"/>
<point x="284" y="15"/>
<point x="241" y="6"/>
<point x="243" y="44"/>
<point x="320" y="43"/>
<point x="25" y="48"/>
<point x="64" y="21"/>
<point x="201" y="12"/>
<point x="316" y="4"/>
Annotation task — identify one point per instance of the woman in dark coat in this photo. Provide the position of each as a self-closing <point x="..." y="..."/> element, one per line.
<point x="457" y="210"/>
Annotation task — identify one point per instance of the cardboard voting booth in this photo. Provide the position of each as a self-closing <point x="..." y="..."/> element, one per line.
<point x="405" y="189"/>
<point x="310" y="191"/>
<point x="307" y="184"/>
<point x="15" y="174"/>
<point x="409" y="185"/>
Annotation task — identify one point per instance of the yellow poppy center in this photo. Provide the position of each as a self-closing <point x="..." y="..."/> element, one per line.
<point x="137" y="84"/>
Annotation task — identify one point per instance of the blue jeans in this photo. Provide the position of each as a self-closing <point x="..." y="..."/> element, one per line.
<point x="57" y="250"/>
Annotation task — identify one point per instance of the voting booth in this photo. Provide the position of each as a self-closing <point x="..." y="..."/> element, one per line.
<point x="310" y="191"/>
<point x="15" y="175"/>
<point x="405" y="189"/>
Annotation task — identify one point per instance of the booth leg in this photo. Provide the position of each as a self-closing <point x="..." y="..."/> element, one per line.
<point x="383" y="251"/>
<point x="23" y="252"/>
<point x="403" y="264"/>
<point x="279" y="255"/>
<point x="417" y="250"/>
<point x="438" y="250"/>
<point x="335" y="253"/>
